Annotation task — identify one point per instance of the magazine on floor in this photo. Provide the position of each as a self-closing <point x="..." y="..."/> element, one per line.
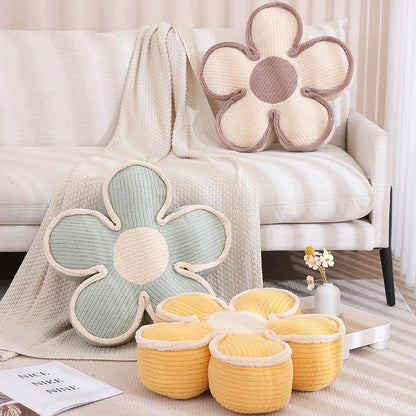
<point x="48" y="389"/>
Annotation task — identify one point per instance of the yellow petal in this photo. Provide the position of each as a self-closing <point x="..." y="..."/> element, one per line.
<point x="317" y="343"/>
<point x="177" y="332"/>
<point x="248" y="345"/>
<point x="198" y="305"/>
<point x="266" y="302"/>
<point x="172" y="358"/>
<point x="305" y="325"/>
<point x="249" y="373"/>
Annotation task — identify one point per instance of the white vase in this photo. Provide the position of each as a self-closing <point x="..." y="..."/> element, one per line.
<point x="328" y="299"/>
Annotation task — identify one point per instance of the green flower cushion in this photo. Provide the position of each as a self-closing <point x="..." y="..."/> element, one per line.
<point x="134" y="254"/>
<point x="280" y="82"/>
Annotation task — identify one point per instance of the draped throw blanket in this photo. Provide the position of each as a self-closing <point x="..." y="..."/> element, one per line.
<point x="165" y="119"/>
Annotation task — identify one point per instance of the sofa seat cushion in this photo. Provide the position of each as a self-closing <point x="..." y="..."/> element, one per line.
<point x="322" y="186"/>
<point x="28" y="176"/>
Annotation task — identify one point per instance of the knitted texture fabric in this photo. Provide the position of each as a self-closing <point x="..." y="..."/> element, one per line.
<point x="250" y="354"/>
<point x="165" y="119"/>
<point x="135" y="245"/>
<point x="317" y="349"/>
<point x="277" y="84"/>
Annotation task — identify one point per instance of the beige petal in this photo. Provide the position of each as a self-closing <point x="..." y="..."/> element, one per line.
<point x="304" y="122"/>
<point x="225" y="70"/>
<point x="273" y="29"/>
<point x="325" y="66"/>
<point x="245" y="125"/>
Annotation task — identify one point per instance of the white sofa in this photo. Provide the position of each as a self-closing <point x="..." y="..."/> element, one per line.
<point x="60" y="94"/>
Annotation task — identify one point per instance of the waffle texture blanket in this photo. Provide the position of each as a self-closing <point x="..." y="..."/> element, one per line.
<point x="165" y="119"/>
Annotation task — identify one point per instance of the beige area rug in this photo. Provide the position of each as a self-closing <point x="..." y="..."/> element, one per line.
<point x="372" y="382"/>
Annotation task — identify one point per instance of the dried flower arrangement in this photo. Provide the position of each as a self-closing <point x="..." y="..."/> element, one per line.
<point x="317" y="260"/>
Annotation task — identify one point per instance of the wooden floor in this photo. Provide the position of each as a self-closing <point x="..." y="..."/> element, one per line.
<point x="282" y="265"/>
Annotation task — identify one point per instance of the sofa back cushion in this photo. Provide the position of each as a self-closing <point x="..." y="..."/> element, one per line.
<point x="61" y="88"/>
<point x="64" y="88"/>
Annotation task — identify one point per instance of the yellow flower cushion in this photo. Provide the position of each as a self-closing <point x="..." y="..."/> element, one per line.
<point x="280" y="83"/>
<point x="250" y="354"/>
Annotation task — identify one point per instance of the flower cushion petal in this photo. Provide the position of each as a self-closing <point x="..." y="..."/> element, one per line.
<point x="328" y="57"/>
<point x="249" y="373"/>
<point x="189" y="307"/>
<point x="146" y="191"/>
<point x="243" y="134"/>
<point x="107" y="310"/>
<point x="127" y="264"/>
<point x="268" y="302"/>
<point x="273" y="29"/>
<point x="227" y="70"/>
<point x="73" y="231"/>
<point x="175" y="333"/>
<point x="173" y="359"/>
<point x="293" y="127"/>
<point x="283" y="68"/>
<point x="195" y="237"/>
<point x="317" y="343"/>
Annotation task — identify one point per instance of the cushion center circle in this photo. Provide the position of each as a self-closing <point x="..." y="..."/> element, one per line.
<point x="141" y="255"/>
<point x="273" y="80"/>
<point x="237" y="322"/>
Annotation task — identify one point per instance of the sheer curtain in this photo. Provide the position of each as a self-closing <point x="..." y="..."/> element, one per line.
<point x="401" y="124"/>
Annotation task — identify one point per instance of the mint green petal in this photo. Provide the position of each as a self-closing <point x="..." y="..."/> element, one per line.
<point x="82" y="241"/>
<point x="137" y="193"/>
<point x="171" y="284"/>
<point x="197" y="237"/>
<point x="107" y="308"/>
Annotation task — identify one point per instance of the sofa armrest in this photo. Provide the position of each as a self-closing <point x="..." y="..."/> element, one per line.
<point x="370" y="147"/>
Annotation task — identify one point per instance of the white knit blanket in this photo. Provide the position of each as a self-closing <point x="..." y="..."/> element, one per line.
<point x="165" y="119"/>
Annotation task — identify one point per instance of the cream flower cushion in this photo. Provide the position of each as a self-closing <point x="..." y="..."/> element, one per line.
<point x="279" y="82"/>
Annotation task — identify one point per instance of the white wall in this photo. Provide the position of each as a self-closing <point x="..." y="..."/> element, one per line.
<point x="367" y="32"/>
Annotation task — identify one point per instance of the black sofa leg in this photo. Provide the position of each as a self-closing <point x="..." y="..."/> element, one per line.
<point x="387" y="265"/>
